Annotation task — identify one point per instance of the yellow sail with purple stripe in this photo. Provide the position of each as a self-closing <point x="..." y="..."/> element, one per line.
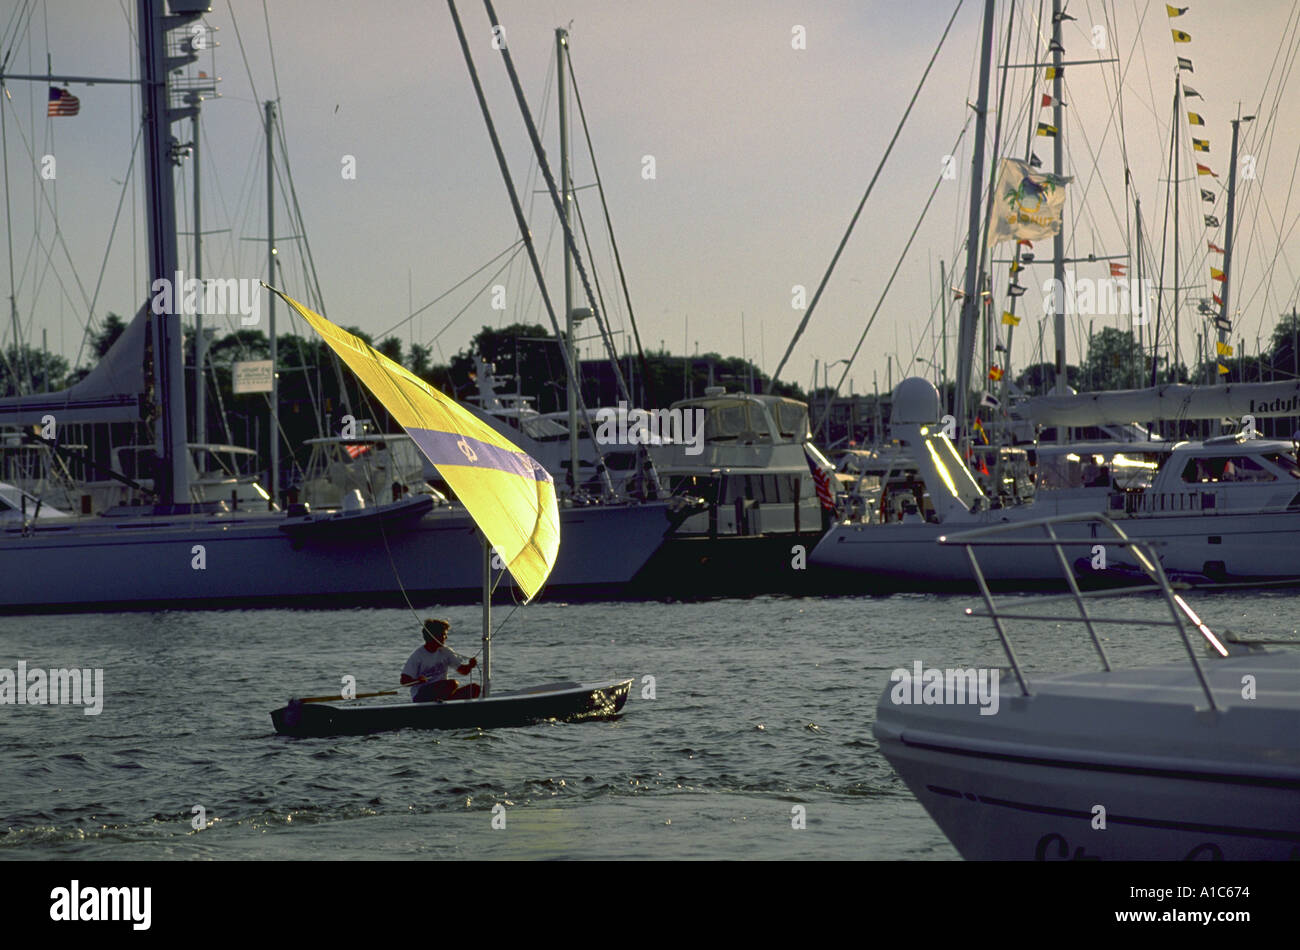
<point x="507" y="493"/>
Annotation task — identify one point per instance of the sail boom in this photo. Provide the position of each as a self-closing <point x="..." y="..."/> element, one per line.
<point x="1174" y="401"/>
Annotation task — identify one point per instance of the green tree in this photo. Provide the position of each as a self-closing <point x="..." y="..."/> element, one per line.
<point x="1115" y="361"/>
<point x="1038" y="379"/>
<point x="38" y="370"/>
<point x="112" y="328"/>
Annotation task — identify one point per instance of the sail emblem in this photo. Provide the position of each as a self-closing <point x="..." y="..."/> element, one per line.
<point x="467" y="450"/>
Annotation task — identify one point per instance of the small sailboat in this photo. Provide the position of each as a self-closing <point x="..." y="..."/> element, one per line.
<point x="511" y="498"/>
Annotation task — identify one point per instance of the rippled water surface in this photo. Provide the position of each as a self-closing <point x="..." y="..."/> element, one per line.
<point x="759" y="706"/>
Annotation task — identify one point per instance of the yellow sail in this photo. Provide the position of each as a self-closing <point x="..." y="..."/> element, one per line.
<point x="508" y="493"/>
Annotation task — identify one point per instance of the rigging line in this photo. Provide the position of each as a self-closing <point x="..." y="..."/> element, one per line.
<point x="19" y="29"/>
<point x="244" y="55"/>
<point x="1270" y="130"/>
<point x="595" y="274"/>
<point x="569" y="238"/>
<point x="301" y="228"/>
<point x="884" y="293"/>
<point x="117" y="215"/>
<point x="504" y="168"/>
<point x="862" y="204"/>
<point x="469" y="303"/>
<point x="450" y="290"/>
<point x="270" y="47"/>
<point x="1265" y="138"/>
<point x="58" y="232"/>
<point x="609" y="224"/>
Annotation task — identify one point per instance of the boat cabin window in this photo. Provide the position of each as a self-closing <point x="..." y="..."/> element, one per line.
<point x="764" y="489"/>
<point x="737" y="420"/>
<point x="1241" y="468"/>
<point x="1286" y="461"/>
<point x="543" y="429"/>
<point x="1056" y="472"/>
<point x="792" y="420"/>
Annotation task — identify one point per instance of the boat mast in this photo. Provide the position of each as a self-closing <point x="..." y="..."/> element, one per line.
<point x="1058" y="166"/>
<point x="487" y="617"/>
<point x="172" y="481"/>
<point x="970" y="313"/>
<point x="1224" y="321"/>
<point x="200" y="350"/>
<point x="1178" y="95"/>
<point x="566" y="193"/>
<point x="270" y="279"/>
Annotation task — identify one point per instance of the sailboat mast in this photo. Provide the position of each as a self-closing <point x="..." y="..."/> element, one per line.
<point x="1178" y="90"/>
<point x="270" y="279"/>
<point x="970" y="312"/>
<point x="172" y="482"/>
<point x="1224" y="322"/>
<point x="566" y="192"/>
<point x="1058" y="166"/>
<point x="487" y="618"/>
<point x="200" y="349"/>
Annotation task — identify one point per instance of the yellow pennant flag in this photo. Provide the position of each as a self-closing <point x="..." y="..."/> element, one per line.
<point x="1223" y="370"/>
<point x="1176" y="11"/>
<point x="1225" y="349"/>
<point x="1010" y="319"/>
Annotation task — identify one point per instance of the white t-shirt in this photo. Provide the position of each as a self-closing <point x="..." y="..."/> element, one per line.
<point x="434" y="666"/>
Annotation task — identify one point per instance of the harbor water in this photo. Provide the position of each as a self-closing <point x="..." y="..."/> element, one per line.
<point x="747" y="736"/>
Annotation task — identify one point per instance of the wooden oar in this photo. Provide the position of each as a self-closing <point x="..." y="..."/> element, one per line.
<point x="326" y="699"/>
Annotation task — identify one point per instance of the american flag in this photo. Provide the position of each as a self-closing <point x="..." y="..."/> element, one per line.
<point x="355" y="451"/>
<point x="825" y="494"/>
<point x="62" y="102"/>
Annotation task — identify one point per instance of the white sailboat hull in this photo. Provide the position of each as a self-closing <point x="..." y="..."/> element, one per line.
<point x="1127" y="765"/>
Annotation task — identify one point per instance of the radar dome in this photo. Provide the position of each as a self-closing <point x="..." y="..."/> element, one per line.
<point x="915" y="401"/>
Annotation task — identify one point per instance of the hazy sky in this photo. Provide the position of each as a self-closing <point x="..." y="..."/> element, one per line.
<point x="761" y="150"/>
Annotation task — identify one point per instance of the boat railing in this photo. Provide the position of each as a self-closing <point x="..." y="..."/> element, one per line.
<point x="1143" y="552"/>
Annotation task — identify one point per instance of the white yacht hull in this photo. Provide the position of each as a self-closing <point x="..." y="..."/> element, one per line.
<point x="1259" y="547"/>
<point x="1125" y="765"/>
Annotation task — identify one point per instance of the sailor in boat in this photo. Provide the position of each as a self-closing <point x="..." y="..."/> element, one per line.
<point x="426" y="672"/>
